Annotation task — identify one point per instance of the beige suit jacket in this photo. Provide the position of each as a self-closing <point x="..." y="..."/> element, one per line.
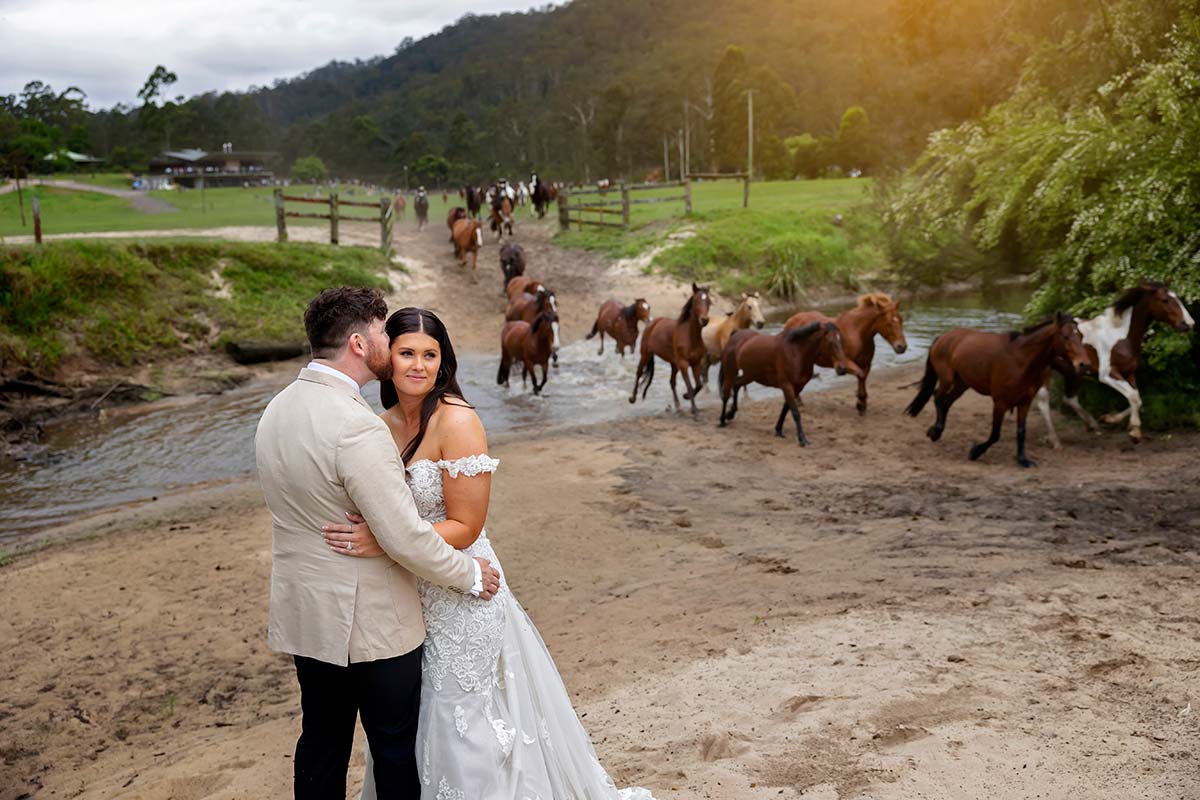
<point x="322" y="451"/>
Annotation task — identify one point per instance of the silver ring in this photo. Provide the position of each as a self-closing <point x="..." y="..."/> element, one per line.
<point x="349" y="545"/>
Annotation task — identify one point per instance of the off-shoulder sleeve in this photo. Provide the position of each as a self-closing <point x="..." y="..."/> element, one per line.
<point x="470" y="465"/>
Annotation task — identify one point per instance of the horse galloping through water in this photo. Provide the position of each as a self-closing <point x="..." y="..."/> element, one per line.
<point x="526" y="306"/>
<point x="531" y="344"/>
<point x="784" y="360"/>
<point x="1008" y="367"/>
<point x="1113" y="341"/>
<point x="680" y="344"/>
<point x="876" y="313"/>
<point x="621" y="323"/>
<point x="467" y="235"/>
<point x="512" y="261"/>
<point x="721" y="326"/>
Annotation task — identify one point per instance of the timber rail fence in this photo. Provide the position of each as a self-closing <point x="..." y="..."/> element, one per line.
<point x="385" y="218"/>
<point x="572" y="213"/>
<point x="744" y="177"/>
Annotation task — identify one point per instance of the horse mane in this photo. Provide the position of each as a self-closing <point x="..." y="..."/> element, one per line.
<point x="803" y="332"/>
<point x="629" y="312"/>
<point x="687" y="309"/>
<point x="878" y="299"/>
<point x="1037" y="326"/>
<point x="1131" y="297"/>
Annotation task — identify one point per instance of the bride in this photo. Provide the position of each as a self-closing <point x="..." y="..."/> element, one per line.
<point x="495" y="721"/>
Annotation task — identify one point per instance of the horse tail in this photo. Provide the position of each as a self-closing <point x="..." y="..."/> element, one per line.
<point x="505" y="366"/>
<point x="928" y="384"/>
<point x="595" y="329"/>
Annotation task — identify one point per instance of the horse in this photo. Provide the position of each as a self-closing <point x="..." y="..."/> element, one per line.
<point x="512" y="261"/>
<point x="721" y="326"/>
<point x="679" y="343"/>
<point x="531" y="344"/>
<point x="398" y="206"/>
<point x="527" y="306"/>
<point x="453" y="216"/>
<point x="784" y="360"/>
<point x="876" y="313"/>
<point x="539" y="193"/>
<point x="1113" y="341"/>
<point x="467" y="235"/>
<point x="621" y="323"/>
<point x="522" y="283"/>
<point x="502" y="214"/>
<point x="1009" y="367"/>
<point x="474" y="197"/>
<point x="421" y="207"/>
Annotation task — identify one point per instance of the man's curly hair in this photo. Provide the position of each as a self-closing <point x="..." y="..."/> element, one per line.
<point x="334" y="314"/>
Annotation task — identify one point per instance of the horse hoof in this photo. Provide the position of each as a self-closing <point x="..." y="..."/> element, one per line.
<point x="632" y="400"/>
<point x="976" y="452"/>
<point x="1135" y="434"/>
<point x="1111" y="419"/>
<point x="779" y="434"/>
<point x="934" y="433"/>
<point x="804" y="442"/>
<point x="1027" y="462"/>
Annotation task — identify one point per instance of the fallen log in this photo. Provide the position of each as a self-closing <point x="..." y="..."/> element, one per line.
<point x="259" y="352"/>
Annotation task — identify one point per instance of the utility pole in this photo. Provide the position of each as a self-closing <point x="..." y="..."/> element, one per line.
<point x="682" y="172"/>
<point x="750" y="132"/>
<point x="666" y="160"/>
<point x="687" y="140"/>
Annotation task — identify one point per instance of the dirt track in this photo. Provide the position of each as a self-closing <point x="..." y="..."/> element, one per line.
<point x="873" y="616"/>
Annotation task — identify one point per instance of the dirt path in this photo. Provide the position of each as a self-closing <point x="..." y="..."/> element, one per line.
<point x="141" y="201"/>
<point x="872" y="617"/>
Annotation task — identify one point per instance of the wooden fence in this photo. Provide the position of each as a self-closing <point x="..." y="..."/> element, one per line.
<point x="744" y="177"/>
<point x="385" y="219"/>
<point x="572" y="213"/>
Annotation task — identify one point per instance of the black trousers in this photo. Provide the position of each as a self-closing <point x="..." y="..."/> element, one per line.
<point x="387" y="693"/>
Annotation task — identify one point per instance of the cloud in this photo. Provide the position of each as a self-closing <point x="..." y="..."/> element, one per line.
<point x="108" y="47"/>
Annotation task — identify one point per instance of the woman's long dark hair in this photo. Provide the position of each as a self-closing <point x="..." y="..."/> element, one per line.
<point x="419" y="320"/>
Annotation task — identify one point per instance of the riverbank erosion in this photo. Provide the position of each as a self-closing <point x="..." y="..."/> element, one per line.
<point x="735" y="617"/>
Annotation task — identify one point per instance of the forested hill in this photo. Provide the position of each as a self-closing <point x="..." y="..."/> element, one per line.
<point x="592" y="87"/>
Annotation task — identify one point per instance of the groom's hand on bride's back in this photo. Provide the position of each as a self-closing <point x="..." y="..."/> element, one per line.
<point x="354" y="538"/>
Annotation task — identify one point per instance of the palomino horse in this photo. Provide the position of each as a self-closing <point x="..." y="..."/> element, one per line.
<point x="527" y="306"/>
<point x="621" y="323"/>
<point x="421" y="206"/>
<point x="1114" y="346"/>
<point x="531" y="344"/>
<point x="398" y="206"/>
<point x="721" y="326"/>
<point x="453" y="216"/>
<point x="784" y="360"/>
<point x="679" y="343"/>
<point x="875" y="313"/>
<point x="468" y="238"/>
<point x="474" y="197"/>
<point x="502" y="215"/>
<point x="1009" y="367"/>
<point x="512" y="261"/>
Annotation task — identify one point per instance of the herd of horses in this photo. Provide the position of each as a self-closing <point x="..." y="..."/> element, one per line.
<point x="1014" y="369"/>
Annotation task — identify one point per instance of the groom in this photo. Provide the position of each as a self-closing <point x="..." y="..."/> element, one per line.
<point x="353" y="625"/>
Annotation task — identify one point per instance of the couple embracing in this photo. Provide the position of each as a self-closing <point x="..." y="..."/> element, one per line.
<point x="385" y="588"/>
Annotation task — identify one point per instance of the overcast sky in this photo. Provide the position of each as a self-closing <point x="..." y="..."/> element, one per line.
<point x="108" y="47"/>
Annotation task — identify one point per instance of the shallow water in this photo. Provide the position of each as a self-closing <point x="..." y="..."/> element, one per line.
<point x="138" y="453"/>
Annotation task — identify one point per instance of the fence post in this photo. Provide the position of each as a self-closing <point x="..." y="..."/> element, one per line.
<point x="333" y="218"/>
<point x="564" y="217"/>
<point x="385" y="225"/>
<point x="37" y="220"/>
<point x="746" y="192"/>
<point x="687" y="197"/>
<point x="280" y="219"/>
<point x="624" y="207"/>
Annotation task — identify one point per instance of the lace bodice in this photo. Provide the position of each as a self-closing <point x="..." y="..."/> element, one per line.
<point x="425" y="481"/>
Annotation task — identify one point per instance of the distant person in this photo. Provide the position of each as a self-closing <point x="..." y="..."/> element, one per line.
<point x="496" y="722"/>
<point x="421" y="206"/>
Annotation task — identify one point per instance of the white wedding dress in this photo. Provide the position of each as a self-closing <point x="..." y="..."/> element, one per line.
<point x="496" y="722"/>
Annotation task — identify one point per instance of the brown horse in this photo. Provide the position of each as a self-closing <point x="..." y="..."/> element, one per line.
<point x="1113" y="341"/>
<point x="468" y="238"/>
<point x="502" y="217"/>
<point x="784" y="360"/>
<point x="531" y="344"/>
<point x="1009" y="367"/>
<point x="522" y="284"/>
<point x="474" y="197"/>
<point x="512" y="261"/>
<point x="421" y="207"/>
<point x="875" y="313"/>
<point x="398" y="206"/>
<point x="679" y="343"/>
<point x="621" y="323"/>
<point x="526" y="306"/>
<point x="453" y="216"/>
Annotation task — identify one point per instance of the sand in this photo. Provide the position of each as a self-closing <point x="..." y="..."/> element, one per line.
<point x="736" y="617"/>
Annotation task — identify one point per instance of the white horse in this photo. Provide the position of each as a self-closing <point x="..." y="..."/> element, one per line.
<point x="1113" y="340"/>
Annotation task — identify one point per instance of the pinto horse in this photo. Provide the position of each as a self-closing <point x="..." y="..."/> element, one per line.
<point x="1009" y="367"/>
<point x="467" y="235"/>
<point x="474" y="197"/>
<point x="526" y="306"/>
<point x="784" y="360"/>
<point x="539" y="193"/>
<point x="502" y="215"/>
<point x="679" y="343"/>
<point x="721" y="326"/>
<point x="512" y="261"/>
<point x="1113" y="341"/>
<point x="621" y="323"/>
<point x="875" y="313"/>
<point x="531" y="344"/>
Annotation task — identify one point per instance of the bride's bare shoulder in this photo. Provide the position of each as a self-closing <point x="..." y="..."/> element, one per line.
<point x="458" y="427"/>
